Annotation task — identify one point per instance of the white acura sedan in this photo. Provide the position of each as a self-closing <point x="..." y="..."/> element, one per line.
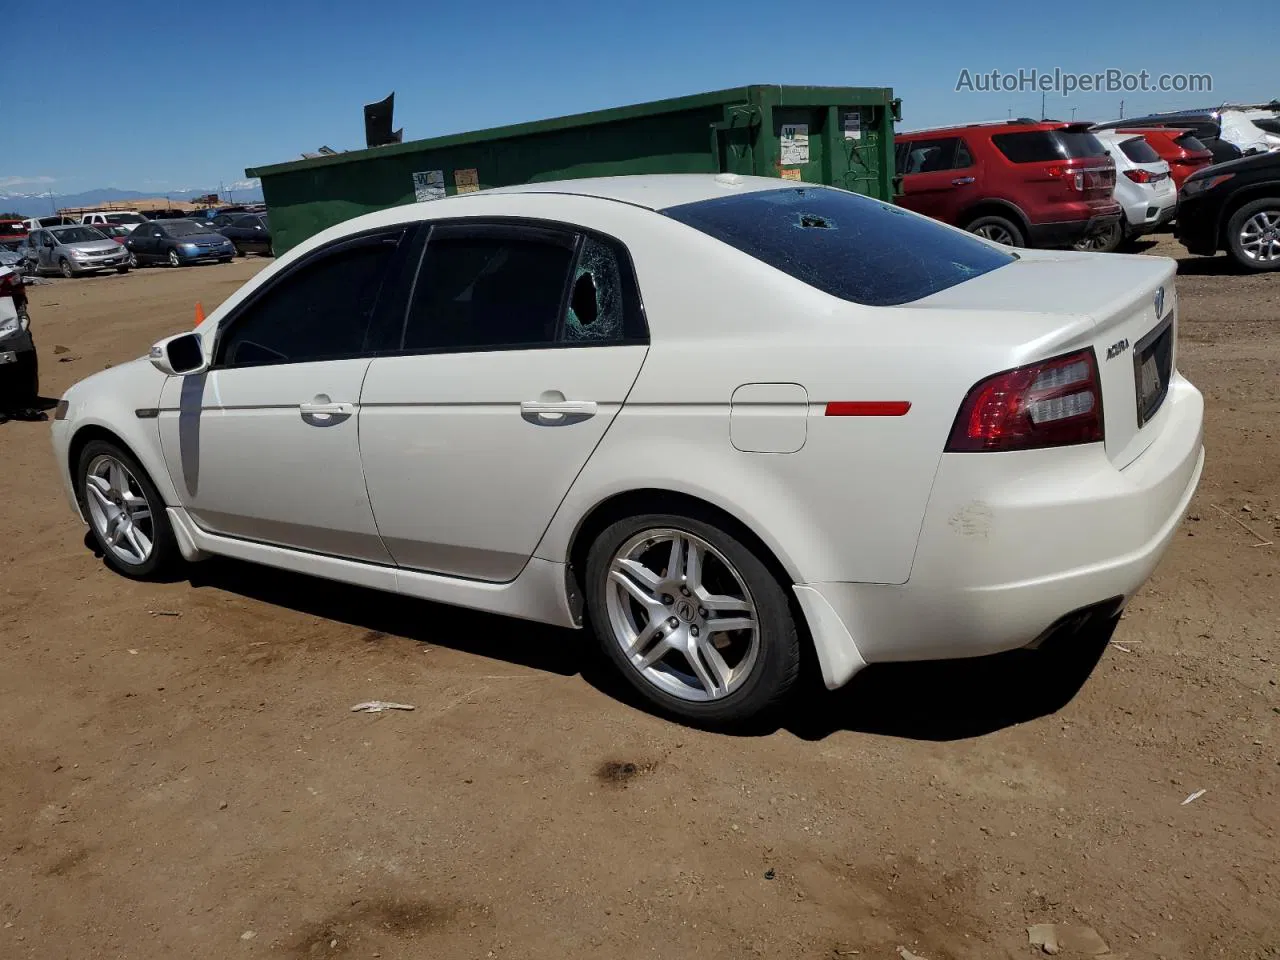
<point x="720" y="417"/>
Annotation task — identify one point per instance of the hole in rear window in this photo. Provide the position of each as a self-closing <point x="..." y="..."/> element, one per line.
<point x="850" y="246"/>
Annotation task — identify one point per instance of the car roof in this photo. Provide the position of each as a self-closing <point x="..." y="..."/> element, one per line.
<point x="655" y="191"/>
<point x="994" y="127"/>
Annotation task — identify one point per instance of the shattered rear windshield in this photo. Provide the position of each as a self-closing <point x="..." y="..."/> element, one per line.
<point x="849" y="246"/>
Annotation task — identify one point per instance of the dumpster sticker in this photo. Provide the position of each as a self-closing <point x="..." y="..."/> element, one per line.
<point x="852" y="124"/>
<point x="428" y="185"/>
<point x="792" y="174"/>
<point x="795" y="143"/>
<point x="467" y="181"/>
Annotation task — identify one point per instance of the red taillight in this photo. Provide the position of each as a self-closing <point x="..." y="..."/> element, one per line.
<point x="1053" y="403"/>
<point x="1139" y="176"/>
<point x="10" y="284"/>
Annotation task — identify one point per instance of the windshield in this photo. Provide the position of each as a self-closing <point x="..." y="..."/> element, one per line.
<point x="125" y="218"/>
<point x="183" y="228"/>
<point x="76" y="235"/>
<point x="851" y="247"/>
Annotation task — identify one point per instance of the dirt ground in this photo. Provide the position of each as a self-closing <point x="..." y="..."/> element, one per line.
<point x="182" y="775"/>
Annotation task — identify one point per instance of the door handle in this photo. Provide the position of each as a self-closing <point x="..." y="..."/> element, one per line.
<point x="323" y="412"/>
<point x="557" y="413"/>
<point x="961" y="181"/>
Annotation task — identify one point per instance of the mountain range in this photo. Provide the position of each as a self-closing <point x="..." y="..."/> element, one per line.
<point x="38" y="204"/>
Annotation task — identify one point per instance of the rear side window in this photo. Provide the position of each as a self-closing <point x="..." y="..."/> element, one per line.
<point x="1139" y="151"/>
<point x="851" y="247"/>
<point x="1190" y="143"/>
<point x="1042" y="146"/>
<point x="320" y="311"/>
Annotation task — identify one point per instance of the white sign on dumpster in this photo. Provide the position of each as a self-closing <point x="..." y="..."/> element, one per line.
<point x="795" y="143"/>
<point x="428" y="185"/>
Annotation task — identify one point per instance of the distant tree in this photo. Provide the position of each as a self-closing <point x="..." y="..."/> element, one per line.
<point x="12" y="216"/>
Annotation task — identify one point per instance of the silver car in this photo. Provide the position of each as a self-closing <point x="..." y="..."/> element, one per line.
<point x="74" y="250"/>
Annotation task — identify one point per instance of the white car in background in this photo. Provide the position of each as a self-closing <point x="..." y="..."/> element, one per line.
<point x="1145" y="191"/>
<point x="129" y="219"/>
<point x="720" y="417"/>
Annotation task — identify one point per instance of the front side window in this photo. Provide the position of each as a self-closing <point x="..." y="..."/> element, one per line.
<point x="488" y="287"/>
<point x="319" y="311"/>
<point x="849" y="246"/>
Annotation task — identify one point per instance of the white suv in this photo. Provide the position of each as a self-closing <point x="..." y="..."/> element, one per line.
<point x="1146" y="193"/>
<point x="116" y="218"/>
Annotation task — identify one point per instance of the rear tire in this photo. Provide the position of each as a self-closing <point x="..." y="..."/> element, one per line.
<point x="1104" y="241"/>
<point x="122" y="489"/>
<point x="704" y="633"/>
<point x="1253" y="235"/>
<point x="998" y="229"/>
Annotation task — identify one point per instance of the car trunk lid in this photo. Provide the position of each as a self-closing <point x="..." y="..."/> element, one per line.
<point x="1124" y="307"/>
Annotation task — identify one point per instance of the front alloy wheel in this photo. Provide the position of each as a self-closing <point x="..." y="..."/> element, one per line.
<point x="125" y="511"/>
<point x="174" y="259"/>
<point x="119" y="511"/>
<point x="1260" y="237"/>
<point x="692" y="618"/>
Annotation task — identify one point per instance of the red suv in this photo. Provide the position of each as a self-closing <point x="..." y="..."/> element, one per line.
<point x="1025" y="183"/>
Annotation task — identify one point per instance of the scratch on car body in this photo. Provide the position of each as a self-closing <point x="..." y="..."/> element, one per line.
<point x="972" y="520"/>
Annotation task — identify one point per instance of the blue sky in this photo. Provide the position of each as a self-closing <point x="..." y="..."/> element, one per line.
<point x="133" y="105"/>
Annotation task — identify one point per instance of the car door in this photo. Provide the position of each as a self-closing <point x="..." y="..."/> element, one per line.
<point x="519" y="346"/>
<point x="142" y="242"/>
<point x="938" y="177"/>
<point x="264" y="447"/>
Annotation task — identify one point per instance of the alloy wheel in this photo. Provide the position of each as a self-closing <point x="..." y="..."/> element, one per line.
<point x="682" y="615"/>
<point x="1260" y="236"/>
<point x="174" y="260"/>
<point x="65" y="267"/>
<point x="995" y="232"/>
<point x="119" y="511"/>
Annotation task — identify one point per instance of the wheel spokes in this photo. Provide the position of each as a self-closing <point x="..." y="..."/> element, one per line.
<point x="727" y="624"/>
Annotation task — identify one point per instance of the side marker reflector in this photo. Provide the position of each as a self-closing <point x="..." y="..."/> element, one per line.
<point x="868" y="408"/>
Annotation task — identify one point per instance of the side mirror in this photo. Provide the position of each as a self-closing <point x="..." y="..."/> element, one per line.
<point x="180" y="356"/>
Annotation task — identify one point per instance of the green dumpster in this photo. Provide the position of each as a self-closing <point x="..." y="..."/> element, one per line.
<point x="832" y="135"/>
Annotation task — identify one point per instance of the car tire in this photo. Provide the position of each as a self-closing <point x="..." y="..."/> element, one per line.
<point x="133" y="260"/>
<point x="174" y="259"/>
<point x="1248" y="231"/>
<point x="240" y="252"/>
<point x="998" y="229"/>
<point x="123" y="269"/>
<point x="64" y="267"/>
<point x="1103" y="241"/>
<point x="125" y="494"/>
<point x="225" y="259"/>
<point x="663" y="645"/>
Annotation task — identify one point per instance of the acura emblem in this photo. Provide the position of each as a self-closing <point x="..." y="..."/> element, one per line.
<point x="1160" y="303"/>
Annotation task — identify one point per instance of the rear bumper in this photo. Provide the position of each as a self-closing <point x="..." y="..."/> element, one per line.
<point x="1011" y="543"/>
<point x="1064" y="233"/>
<point x="1150" y="214"/>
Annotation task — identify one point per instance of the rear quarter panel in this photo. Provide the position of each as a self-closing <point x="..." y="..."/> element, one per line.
<point x="848" y="505"/>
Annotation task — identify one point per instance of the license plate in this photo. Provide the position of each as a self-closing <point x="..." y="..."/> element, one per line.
<point x="8" y="356"/>
<point x="1152" y="368"/>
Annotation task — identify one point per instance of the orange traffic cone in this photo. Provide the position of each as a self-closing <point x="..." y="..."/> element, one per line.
<point x="199" y="314"/>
